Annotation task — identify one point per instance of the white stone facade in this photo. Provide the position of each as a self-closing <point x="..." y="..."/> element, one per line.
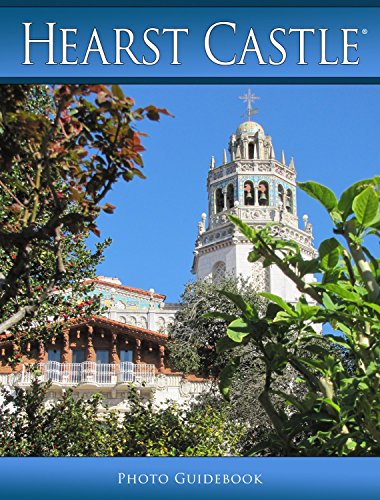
<point x="133" y="306"/>
<point x="162" y="390"/>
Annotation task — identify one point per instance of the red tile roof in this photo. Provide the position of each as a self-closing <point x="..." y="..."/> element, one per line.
<point x="134" y="330"/>
<point x="137" y="331"/>
<point x="139" y="291"/>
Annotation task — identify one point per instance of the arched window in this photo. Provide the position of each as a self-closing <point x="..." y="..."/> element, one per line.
<point x="143" y="322"/>
<point x="280" y="193"/>
<point x="248" y="193"/>
<point x="289" y="201"/>
<point x="263" y="194"/>
<point x="251" y="150"/>
<point x="219" y="200"/>
<point x="161" y="324"/>
<point x="230" y="196"/>
<point x="119" y="305"/>
<point x="131" y="320"/>
<point x="218" y="272"/>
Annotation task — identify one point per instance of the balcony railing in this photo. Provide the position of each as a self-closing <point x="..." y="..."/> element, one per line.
<point x="98" y="374"/>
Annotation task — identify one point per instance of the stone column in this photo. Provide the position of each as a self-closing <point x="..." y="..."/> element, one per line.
<point x="256" y="195"/>
<point x="245" y="149"/>
<point x="138" y="351"/>
<point x="66" y="348"/>
<point x="151" y="319"/>
<point x="260" y="149"/>
<point x="114" y="357"/>
<point x="161" y="366"/>
<point x="41" y="352"/>
<point x="225" y="198"/>
<point x="91" y="355"/>
<point x="18" y="356"/>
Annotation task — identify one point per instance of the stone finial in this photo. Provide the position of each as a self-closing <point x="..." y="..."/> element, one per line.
<point x="308" y="227"/>
<point x="283" y="157"/>
<point x="224" y="157"/>
<point x="291" y="164"/>
<point x="305" y="219"/>
<point x="151" y="292"/>
<point x="212" y="163"/>
<point x="272" y="155"/>
<point x="202" y="224"/>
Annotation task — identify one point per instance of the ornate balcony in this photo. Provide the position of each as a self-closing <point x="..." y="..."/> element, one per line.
<point x="84" y="375"/>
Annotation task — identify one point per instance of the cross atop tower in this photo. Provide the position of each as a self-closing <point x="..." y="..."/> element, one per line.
<point x="250" y="98"/>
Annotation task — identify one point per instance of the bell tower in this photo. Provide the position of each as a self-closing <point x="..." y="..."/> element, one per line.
<point x="259" y="189"/>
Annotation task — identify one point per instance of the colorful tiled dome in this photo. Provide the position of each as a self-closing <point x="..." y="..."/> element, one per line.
<point x="249" y="127"/>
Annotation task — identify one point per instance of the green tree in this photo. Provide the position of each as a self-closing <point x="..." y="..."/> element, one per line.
<point x="32" y="426"/>
<point x="339" y="412"/>
<point x="194" y="335"/>
<point x="194" y="332"/>
<point x="60" y="155"/>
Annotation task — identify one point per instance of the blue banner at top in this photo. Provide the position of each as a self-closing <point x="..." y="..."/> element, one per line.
<point x="61" y="43"/>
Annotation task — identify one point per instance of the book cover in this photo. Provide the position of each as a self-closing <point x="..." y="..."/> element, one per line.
<point x="189" y="287"/>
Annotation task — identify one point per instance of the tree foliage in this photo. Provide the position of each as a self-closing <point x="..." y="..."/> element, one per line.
<point x="339" y="413"/>
<point x="60" y="155"/>
<point x="73" y="426"/>
<point x="196" y="332"/>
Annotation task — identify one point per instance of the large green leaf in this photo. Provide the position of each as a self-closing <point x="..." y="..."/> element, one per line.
<point x="279" y="301"/>
<point x="307" y="266"/>
<point x="225" y="344"/>
<point x="366" y="206"/>
<point x="347" y="197"/>
<point x="337" y="340"/>
<point x="341" y="291"/>
<point x="376" y="222"/>
<point x="321" y="193"/>
<point x="305" y="311"/>
<point x="315" y="363"/>
<point x="328" y="303"/>
<point x="254" y="256"/>
<point x="248" y="232"/>
<point x="375" y="307"/>
<point x="329" y="252"/>
<point x="283" y="316"/>
<point x="237" y="330"/>
<point x="331" y="403"/>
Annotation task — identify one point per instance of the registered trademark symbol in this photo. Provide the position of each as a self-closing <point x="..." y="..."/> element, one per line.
<point x="364" y="31"/>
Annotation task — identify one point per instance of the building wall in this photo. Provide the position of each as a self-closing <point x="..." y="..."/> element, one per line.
<point x="161" y="386"/>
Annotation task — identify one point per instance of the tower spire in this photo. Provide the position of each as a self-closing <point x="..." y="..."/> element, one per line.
<point x="250" y="98"/>
<point x="283" y="157"/>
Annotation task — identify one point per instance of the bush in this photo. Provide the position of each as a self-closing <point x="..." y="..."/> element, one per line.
<point x="31" y="426"/>
<point x="339" y="412"/>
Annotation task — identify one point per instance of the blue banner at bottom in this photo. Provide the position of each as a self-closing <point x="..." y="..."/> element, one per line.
<point x="169" y="478"/>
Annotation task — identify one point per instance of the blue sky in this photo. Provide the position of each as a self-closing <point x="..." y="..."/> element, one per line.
<point x="331" y="131"/>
